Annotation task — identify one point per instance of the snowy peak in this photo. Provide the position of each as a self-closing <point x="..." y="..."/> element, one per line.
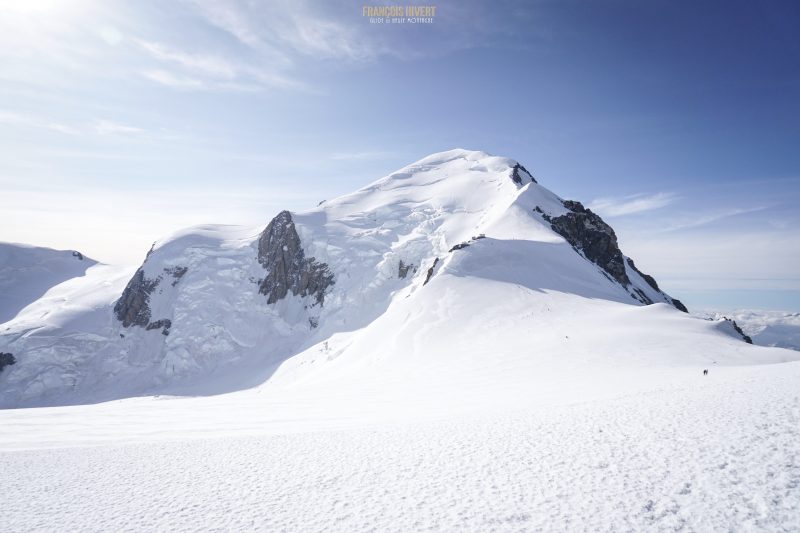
<point x="360" y="250"/>
<point x="456" y="243"/>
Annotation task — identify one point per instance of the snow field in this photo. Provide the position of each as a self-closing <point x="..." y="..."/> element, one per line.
<point x="715" y="453"/>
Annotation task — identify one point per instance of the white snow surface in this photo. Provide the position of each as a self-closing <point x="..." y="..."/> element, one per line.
<point x="520" y="389"/>
<point x="28" y="272"/>
<point x="665" y="449"/>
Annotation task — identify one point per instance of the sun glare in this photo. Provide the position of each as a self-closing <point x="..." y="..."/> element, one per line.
<point x="44" y="7"/>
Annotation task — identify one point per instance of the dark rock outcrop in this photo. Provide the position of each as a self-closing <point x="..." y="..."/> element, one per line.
<point x="677" y="304"/>
<point x="176" y="272"/>
<point x="163" y="324"/>
<point x="430" y="271"/>
<point x="649" y="279"/>
<point x="403" y="269"/>
<point x="745" y="338"/>
<point x="517" y="176"/>
<point x="465" y="244"/>
<point x="641" y="296"/>
<point x="588" y="233"/>
<point x="133" y="307"/>
<point x="288" y="269"/>
<point x="6" y="359"/>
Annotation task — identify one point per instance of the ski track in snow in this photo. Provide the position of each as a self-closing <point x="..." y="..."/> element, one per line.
<point x="722" y="453"/>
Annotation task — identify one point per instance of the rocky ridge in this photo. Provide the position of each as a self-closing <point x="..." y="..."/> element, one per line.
<point x="288" y="269"/>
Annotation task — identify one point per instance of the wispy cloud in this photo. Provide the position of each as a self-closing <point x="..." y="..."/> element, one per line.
<point x="231" y="18"/>
<point x="283" y="37"/>
<point x="184" y="70"/>
<point x="209" y="64"/>
<point x="21" y="120"/>
<point x="175" y="81"/>
<point x="108" y="127"/>
<point x="281" y="29"/>
<point x="696" y="220"/>
<point x="233" y="45"/>
<point x="273" y="40"/>
<point x="97" y="128"/>
<point x="628" y="205"/>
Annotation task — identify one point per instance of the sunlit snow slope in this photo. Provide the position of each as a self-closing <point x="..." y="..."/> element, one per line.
<point x="457" y="272"/>
<point x="28" y="272"/>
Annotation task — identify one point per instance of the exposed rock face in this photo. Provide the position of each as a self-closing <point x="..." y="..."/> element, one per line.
<point x="679" y="305"/>
<point x="133" y="307"/>
<point x="587" y="232"/>
<point x="6" y="359"/>
<point x="745" y="338"/>
<point x="164" y="324"/>
<point x="430" y="271"/>
<point x="176" y="272"/>
<point x="649" y="279"/>
<point x="288" y="269"/>
<point x="403" y="268"/>
<point x="517" y="176"/>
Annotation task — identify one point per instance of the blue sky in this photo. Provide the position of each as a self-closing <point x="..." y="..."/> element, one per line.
<point x="679" y="122"/>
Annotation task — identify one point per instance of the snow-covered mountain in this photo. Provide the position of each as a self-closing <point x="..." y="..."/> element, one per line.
<point x="765" y="328"/>
<point x="28" y="272"/>
<point x="458" y="268"/>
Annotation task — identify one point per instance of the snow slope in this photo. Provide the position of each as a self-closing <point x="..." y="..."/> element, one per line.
<point x="458" y="264"/>
<point x="28" y="272"/>
<point x="657" y="451"/>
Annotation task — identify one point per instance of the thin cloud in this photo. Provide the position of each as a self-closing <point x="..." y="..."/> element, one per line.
<point x="212" y="65"/>
<point x="18" y="119"/>
<point x="628" y="205"/>
<point x="230" y="18"/>
<point x="285" y="33"/>
<point x="197" y="71"/>
<point x="282" y="28"/>
<point x="99" y="127"/>
<point x="236" y="45"/>
<point x="108" y="127"/>
<point x="190" y="83"/>
<point x="702" y="219"/>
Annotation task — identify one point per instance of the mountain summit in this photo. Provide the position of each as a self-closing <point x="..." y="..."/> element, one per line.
<point x="459" y="264"/>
